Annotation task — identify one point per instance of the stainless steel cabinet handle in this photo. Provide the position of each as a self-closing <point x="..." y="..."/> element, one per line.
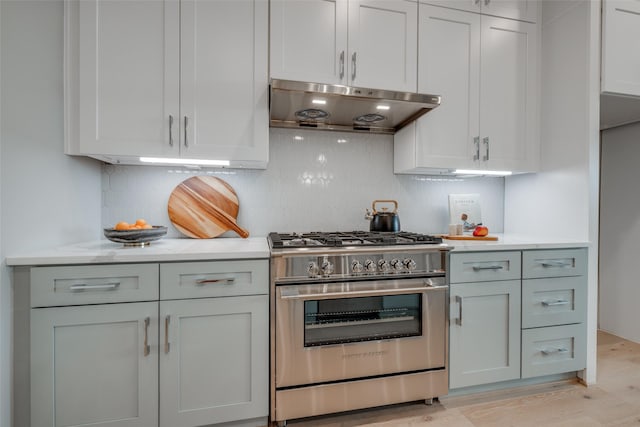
<point x="353" y="66"/>
<point x="147" y="348"/>
<point x="186" y="123"/>
<point x="96" y="287"/>
<point x="170" y="130"/>
<point x="549" y="351"/>
<point x="556" y="302"/>
<point x="485" y="141"/>
<point x="555" y="264"/>
<point x="167" y="345"/>
<point x="341" y="65"/>
<point x="489" y="267"/>
<point x="459" y="301"/>
<point x="227" y="281"/>
<point x="476" y="142"/>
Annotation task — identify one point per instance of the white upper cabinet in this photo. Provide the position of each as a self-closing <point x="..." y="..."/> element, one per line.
<point x="522" y="10"/>
<point x="162" y="79"/>
<point x="509" y="101"/>
<point x="620" y="55"/>
<point x="485" y="68"/>
<point x="366" y="43"/>
<point x="309" y="40"/>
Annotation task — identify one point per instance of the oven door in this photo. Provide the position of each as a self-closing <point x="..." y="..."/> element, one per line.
<point x="338" y="331"/>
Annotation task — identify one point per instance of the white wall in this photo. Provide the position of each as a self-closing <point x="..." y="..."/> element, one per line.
<point x="620" y="232"/>
<point x="562" y="200"/>
<point x="313" y="184"/>
<point x="46" y="197"/>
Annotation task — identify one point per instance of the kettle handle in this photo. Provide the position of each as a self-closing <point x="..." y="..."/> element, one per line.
<point x="395" y="204"/>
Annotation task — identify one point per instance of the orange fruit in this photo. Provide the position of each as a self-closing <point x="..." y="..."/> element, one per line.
<point x="122" y="225"/>
<point x="141" y="222"/>
<point x="147" y="226"/>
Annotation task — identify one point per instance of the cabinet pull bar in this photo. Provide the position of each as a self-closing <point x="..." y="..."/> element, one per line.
<point x="170" y="130"/>
<point x="555" y="264"/>
<point x="341" y="65"/>
<point x="489" y="267"/>
<point x="147" y="348"/>
<point x="476" y="142"/>
<point x="549" y="351"/>
<point x="96" y="287"/>
<point x="459" y="301"/>
<point x="556" y="302"/>
<point x="485" y="141"/>
<point x="167" y="345"/>
<point x="186" y="123"/>
<point x="226" y="281"/>
<point x="353" y="66"/>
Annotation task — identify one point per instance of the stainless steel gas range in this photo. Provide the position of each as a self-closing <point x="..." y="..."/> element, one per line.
<point x="358" y="319"/>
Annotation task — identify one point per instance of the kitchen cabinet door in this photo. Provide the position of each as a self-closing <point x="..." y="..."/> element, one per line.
<point x="224" y="80"/>
<point x="486" y="71"/>
<point x="509" y="99"/>
<point x="383" y="38"/>
<point x="484" y="333"/>
<point x="90" y="365"/>
<point x="620" y="57"/>
<point x="449" y="65"/>
<point x="214" y="360"/>
<point x="128" y="74"/>
<point x="309" y="40"/>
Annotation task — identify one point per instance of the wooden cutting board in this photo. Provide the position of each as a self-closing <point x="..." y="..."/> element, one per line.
<point x="203" y="207"/>
<point x="469" y="237"/>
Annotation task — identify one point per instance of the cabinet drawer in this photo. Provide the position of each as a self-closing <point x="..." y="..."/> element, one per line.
<point x="214" y="279"/>
<point x="93" y="284"/>
<point x="484" y="266"/>
<point x="553" y="301"/>
<point x="553" y="350"/>
<point x="554" y="263"/>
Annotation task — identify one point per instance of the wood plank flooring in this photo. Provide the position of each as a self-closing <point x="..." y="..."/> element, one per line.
<point x="613" y="401"/>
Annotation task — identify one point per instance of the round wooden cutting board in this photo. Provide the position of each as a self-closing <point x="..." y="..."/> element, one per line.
<point x="203" y="207"/>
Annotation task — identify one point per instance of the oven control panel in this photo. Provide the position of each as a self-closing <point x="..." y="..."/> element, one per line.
<point x="305" y="267"/>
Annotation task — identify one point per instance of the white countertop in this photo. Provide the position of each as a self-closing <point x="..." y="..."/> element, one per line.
<point x="512" y="242"/>
<point x="104" y="251"/>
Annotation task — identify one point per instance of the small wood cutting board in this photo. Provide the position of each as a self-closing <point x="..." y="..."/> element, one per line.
<point x="203" y="207"/>
<point x="464" y="237"/>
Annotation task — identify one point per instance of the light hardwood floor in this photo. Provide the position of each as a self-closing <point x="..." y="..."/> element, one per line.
<point x="613" y="401"/>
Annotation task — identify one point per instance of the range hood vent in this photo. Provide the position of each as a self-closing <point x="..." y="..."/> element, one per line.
<point x="333" y="107"/>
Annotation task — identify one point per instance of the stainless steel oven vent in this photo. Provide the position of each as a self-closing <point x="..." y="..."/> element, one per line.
<point x="296" y="104"/>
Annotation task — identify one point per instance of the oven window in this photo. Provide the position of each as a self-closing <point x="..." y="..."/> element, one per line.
<point x="344" y="320"/>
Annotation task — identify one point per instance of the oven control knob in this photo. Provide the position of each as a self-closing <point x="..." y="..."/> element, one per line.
<point x="383" y="265"/>
<point x="326" y="267"/>
<point x="370" y="266"/>
<point x="312" y="269"/>
<point x="409" y="264"/>
<point x="356" y="266"/>
<point x="396" y="265"/>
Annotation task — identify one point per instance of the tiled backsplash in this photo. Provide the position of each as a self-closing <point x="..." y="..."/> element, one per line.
<point x="320" y="181"/>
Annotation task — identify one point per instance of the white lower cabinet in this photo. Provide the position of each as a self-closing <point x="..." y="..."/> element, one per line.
<point x="484" y="333"/>
<point x="178" y="361"/>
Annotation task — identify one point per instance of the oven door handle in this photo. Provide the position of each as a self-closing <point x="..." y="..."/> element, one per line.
<point x="362" y="293"/>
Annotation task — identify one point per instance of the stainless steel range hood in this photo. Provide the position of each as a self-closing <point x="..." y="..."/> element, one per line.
<point x="334" y="107"/>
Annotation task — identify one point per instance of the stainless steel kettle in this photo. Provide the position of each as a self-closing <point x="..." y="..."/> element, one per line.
<point x="383" y="220"/>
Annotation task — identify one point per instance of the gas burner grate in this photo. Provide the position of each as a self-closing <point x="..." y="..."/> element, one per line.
<point x="350" y="238"/>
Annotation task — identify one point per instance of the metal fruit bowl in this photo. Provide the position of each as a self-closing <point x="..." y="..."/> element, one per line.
<point x="136" y="237"/>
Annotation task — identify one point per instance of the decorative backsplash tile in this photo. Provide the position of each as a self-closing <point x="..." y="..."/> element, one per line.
<point x="315" y="181"/>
